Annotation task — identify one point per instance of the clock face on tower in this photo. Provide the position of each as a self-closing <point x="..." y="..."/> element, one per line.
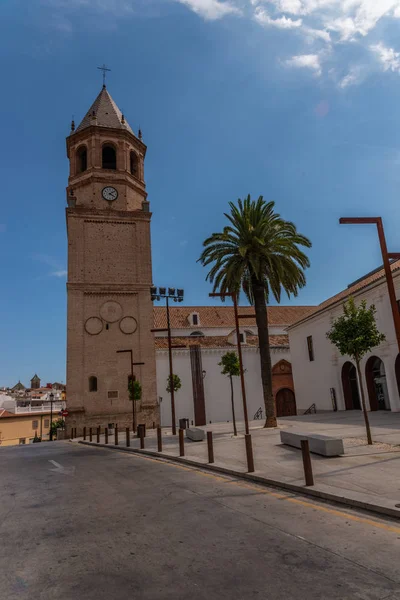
<point x="109" y="193"/>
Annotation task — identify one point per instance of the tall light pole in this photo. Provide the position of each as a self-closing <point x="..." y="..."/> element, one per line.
<point x="177" y="296"/>
<point x="132" y="376"/>
<point x="386" y="256"/>
<point x="51" y="415"/>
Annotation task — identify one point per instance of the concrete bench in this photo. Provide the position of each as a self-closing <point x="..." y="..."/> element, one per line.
<point x="319" y="444"/>
<point x="195" y="434"/>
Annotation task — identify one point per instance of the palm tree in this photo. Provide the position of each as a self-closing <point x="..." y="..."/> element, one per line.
<point x="258" y="252"/>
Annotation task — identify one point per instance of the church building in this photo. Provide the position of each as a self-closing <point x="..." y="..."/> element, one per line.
<point x="109" y="271"/>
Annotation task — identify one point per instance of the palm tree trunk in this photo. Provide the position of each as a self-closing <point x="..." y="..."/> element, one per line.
<point x="260" y="307"/>
<point x="233" y="408"/>
<point x="366" y="419"/>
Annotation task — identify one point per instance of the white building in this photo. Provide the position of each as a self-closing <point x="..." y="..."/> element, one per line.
<point x="323" y="377"/>
<point x="205" y="333"/>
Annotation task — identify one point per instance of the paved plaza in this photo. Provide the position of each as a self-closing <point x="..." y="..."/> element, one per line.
<point x="363" y="473"/>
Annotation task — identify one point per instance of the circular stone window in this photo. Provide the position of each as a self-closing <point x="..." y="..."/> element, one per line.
<point x="93" y="325"/>
<point x="128" y="325"/>
<point x="111" y="311"/>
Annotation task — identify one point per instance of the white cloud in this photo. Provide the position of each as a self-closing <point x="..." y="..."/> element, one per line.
<point x="353" y="77"/>
<point x="263" y="17"/>
<point x="305" y="61"/>
<point x="60" y="273"/>
<point x="388" y="57"/>
<point x="211" y="9"/>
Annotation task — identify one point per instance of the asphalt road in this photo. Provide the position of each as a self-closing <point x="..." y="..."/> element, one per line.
<point x="108" y="525"/>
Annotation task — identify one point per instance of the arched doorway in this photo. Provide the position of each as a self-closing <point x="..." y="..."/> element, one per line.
<point x="376" y="384"/>
<point x="397" y="371"/>
<point x="285" y="403"/>
<point x="350" y="387"/>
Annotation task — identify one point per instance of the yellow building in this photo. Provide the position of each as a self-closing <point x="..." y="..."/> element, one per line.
<point x="21" y="428"/>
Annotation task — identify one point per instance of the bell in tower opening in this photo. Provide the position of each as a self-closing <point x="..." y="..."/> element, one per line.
<point x="110" y="313"/>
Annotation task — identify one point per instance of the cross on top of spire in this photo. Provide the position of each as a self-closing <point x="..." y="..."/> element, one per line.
<point x="104" y="69"/>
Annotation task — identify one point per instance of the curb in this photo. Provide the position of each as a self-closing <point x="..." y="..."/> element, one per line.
<point x="291" y="487"/>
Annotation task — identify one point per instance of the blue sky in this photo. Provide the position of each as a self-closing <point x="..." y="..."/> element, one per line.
<point x="296" y="100"/>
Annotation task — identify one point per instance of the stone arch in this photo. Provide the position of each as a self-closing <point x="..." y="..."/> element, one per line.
<point x="109" y="156"/>
<point x="283" y="389"/>
<point x="81" y="159"/>
<point x="134" y="163"/>
<point x="376" y="384"/>
<point x="350" y="387"/>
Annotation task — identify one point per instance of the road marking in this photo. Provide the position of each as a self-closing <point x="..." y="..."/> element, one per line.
<point x="259" y="489"/>
<point x="63" y="470"/>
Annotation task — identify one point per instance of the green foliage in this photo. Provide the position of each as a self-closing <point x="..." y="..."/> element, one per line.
<point x="176" y="382"/>
<point x="135" y="390"/>
<point x="257" y="246"/>
<point x="355" y="332"/>
<point x="58" y="424"/>
<point x="230" y="364"/>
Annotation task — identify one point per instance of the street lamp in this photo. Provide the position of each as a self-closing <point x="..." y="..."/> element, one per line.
<point x="51" y="415"/>
<point x="177" y="296"/>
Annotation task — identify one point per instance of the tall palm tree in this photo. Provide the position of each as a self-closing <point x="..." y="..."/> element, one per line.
<point x="258" y="252"/>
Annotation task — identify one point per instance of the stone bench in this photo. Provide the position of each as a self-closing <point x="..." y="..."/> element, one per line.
<point x="195" y="434"/>
<point x="318" y="444"/>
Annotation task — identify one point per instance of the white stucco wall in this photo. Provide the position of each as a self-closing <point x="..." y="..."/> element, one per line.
<point x="313" y="379"/>
<point x="216" y="386"/>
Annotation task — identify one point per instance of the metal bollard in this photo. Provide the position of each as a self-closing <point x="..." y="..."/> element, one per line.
<point x="210" y="447"/>
<point x="75" y="434"/>
<point x="90" y="434"/>
<point x="84" y="433"/>
<point x="181" y="443"/>
<point x="116" y="435"/>
<point x="72" y="433"/>
<point x="106" y="434"/>
<point x="128" y="439"/>
<point x="249" y="453"/>
<point x="98" y="434"/>
<point x="308" y="474"/>
<point x="154" y="424"/>
<point x="159" y="439"/>
<point x="141" y="432"/>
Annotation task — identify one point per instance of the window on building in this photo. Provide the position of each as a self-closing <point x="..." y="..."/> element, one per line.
<point x="35" y="424"/>
<point x="92" y="384"/>
<point x="22" y="440"/>
<point x="197" y="334"/>
<point x="310" y="348"/>
<point x="109" y="158"/>
<point x="242" y="337"/>
<point x="134" y="164"/>
<point x="47" y="422"/>
<point x="81" y="159"/>
<point x="195" y="319"/>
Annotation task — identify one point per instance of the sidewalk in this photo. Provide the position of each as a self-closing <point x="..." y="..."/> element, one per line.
<point x="365" y="476"/>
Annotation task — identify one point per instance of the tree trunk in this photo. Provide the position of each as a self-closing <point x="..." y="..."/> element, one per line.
<point x="366" y="419"/>
<point x="233" y="408"/>
<point x="260" y="307"/>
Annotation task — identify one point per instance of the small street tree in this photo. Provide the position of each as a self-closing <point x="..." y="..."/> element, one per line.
<point x="354" y="334"/>
<point x="135" y="390"/>
<point x="176" y="382"/>
<point x="231" y="368"/>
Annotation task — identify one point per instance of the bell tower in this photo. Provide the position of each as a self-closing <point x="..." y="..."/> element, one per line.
<point x="109" y="271"/>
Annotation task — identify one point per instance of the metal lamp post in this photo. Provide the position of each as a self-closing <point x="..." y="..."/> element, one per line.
<point x="132" y="380"/>
<point x="51" y="415"/>
<point x="177" y="296"/>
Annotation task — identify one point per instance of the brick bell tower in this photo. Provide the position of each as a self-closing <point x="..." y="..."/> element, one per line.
<point x="109" y="271"/>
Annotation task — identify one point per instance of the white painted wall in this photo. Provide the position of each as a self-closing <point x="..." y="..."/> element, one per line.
<point x="216" y="386"/>
<point x="313" y="380"/>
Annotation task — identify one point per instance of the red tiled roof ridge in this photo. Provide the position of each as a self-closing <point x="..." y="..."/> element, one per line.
<point x="356" y="287"/>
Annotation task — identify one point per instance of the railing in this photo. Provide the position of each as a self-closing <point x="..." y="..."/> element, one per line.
<point x="311" y="410"/>
<point x="57" y="406"/>
<point x="258" y="414"/>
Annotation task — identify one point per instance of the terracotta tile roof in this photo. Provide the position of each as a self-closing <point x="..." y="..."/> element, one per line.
<point x="276" y="341"/>
<point x="222" y="316"/>
<point x="107" y="114"/>
<point x="5" y="413"/>
<point x="360" y="284"/>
